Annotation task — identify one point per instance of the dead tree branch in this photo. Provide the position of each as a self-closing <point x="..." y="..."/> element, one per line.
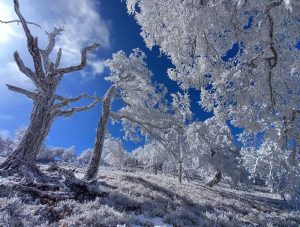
<point x="29" y="94"/>
<point x="69" y="112"/>
<point x="18" y="21"/>
<point x="23" y="68"/>
<point x="83" y="60"/>
<point x="51" y="43"/>
<point x="67" y="101"/>
<point x="32" y="43"/>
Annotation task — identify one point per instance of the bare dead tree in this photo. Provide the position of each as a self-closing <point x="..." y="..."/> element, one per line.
<point x="94" y="163"/>
<point x="47" y="105"/>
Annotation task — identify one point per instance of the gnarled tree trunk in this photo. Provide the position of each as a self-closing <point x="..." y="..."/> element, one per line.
<point x="31" y="143"/>
<point x="94" y="163"/>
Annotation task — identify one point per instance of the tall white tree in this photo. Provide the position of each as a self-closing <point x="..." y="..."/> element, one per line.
<point x="240" y="54"/>
<point x="143" y="102"/>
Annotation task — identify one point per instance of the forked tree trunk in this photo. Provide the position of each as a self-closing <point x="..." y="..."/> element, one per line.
<point x="94" y="163"/>
<point x="28" y="148"/>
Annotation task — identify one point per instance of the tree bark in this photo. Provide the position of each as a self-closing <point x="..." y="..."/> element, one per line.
<point x="38" y="129"/>
<point x="94" y="163"/>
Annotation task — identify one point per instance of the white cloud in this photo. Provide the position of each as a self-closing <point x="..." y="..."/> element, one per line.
<point x="4" y="133"/>
<point x="93" y="69"/>
<point x="6" y="30"/>
<point x="9" y="74"/>
<point x="83" y="26"/>
<point x="81" y="20"/>
<point x="97" y="66"/>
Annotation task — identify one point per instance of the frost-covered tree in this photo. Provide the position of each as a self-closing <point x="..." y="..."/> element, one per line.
<point x="47" y="105"/>
<point x="85" y="156"/>
<point x="6" y="146"/>
<point x="69" y="154"/>
<point x="114" y="153"/>
<point x="50" y="154"/>
<point x="153" y="156"/>
<point x="240" y="54"/>
<point x="279" y="168"/>
<point x="146" y="110"/>
<point x="132" y="85"/>
<point x="213" y="149"/>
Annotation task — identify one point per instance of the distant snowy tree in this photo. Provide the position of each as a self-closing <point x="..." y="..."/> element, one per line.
<point x="85" y="156"/>
<point x="69" y="154"/>
<point x="50" y="154"/>
<point x="115" y="153"/>
<point x="212" y="148"/>
<point x="6" y="146"/>
<point x="153" y="156"/>
<point x="279" y="167"/>
<point x="47" y="105"/>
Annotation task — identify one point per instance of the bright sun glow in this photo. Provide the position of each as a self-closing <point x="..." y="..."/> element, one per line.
<point x="7" y="31"/>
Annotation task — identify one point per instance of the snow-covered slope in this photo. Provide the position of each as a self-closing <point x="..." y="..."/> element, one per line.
<point x="138" y="198"/>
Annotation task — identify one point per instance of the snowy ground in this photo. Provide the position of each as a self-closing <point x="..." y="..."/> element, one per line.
<point x="138" y="198"/>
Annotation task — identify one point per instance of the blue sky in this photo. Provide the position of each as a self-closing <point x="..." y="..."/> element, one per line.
<point x="106" y="21"/>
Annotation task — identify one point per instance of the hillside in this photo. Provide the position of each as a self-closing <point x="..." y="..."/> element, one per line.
<point x="140" y="198"/>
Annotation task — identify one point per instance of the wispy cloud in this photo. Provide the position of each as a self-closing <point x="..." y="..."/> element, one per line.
<point x="4" y="133"/>
<point x="95" y="67"/>
<point x="83" y="26"/>
<point x="9" y="74"/>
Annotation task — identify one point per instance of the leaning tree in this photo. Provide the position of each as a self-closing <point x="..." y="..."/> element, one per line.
<point x="143" y="103"/>
<point x="145" y="110"/>
<point x="47" y="105"/>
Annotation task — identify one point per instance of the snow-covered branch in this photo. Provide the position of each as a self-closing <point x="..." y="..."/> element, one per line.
<point x="47" y="51"/>
<point x="69" y="112"/>
<point x="66" y="101"/>
<point x="83" y="62"/>
<point x="32" y="43"/>
<point x="120" y="116"/>
<point x="23" y="68"/>
<point x="29" y="94"/>
<point x="18" y="21"/>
